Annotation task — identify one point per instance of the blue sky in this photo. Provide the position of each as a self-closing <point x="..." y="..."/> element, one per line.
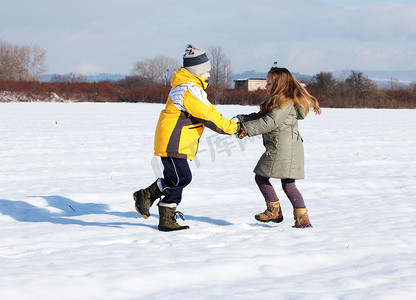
<point x="306" y="36"/>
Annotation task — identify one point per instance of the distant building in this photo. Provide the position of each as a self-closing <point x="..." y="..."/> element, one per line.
<point x="250" y="84"/>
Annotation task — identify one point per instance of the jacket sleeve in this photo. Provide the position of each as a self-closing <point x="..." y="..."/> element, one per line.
<point x="249" y="117"/>
<point x="272" y="120"/>
<point x="198" y="106"/>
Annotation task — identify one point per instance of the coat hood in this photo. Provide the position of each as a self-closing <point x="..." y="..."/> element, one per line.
<point x="184" y="76"/>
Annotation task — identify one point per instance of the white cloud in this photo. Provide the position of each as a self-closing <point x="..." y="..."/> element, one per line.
<point x="307" y="36"/>
<point x="89" y="68"/>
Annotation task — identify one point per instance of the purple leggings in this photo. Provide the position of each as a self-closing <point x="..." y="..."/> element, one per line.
<point x="289" y="187"/>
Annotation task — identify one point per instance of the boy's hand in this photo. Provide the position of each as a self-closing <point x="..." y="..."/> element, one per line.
<point x="235" y="119"/>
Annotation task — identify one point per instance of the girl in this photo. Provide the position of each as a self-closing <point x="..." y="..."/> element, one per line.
<point x="287" y="101"/>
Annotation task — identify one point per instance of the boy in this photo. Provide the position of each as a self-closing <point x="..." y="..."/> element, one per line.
<point x="177" y="135"/>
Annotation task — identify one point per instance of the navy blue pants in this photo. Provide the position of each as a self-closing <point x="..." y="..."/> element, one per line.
<point x="177" y="175"/>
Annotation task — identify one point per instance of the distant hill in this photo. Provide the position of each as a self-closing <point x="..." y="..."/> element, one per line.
<point x="380" y="77"/>
<point x="384" y="77"/>
<point x="91" y="78"/>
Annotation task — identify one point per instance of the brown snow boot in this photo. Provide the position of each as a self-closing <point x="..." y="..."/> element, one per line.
<point x="273" y="213"/>
<point x="301" y="218"/>
<point x="167" y="217"/>
<point x="144" y="199"/>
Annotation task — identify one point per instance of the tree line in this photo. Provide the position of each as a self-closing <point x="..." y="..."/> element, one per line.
<point x="22" y="66"/>
<point x="28" y="63"/>
<point x="357" y="90"/>
<point x="338" y="94"/>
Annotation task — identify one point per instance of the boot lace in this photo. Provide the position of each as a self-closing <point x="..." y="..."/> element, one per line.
<point x="180" y="214"/>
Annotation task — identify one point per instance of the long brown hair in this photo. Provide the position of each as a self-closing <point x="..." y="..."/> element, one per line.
<point x="285" y="90"/>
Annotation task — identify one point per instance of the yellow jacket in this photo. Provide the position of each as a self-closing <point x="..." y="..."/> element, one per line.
<point x="185" y="116"/>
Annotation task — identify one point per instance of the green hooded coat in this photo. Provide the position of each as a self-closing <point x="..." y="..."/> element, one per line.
<point x="284" y="156"/>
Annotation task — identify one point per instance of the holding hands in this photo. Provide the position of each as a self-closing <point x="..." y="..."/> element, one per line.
<point x="240" y="133"/>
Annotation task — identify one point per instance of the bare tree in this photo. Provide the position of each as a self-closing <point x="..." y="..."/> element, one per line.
<point x="7" y="61"/>
<point x="34" y="59"/>
<point x="394" y="84"/>
<point x="412" y="88"/>
<point x="21" y="62"/>
<point x="160" y="68"/>
<point x="145" y="69"/>
<point x="70" y="77"/>
<point x="220" y="72"/>
<point x="360" y="85"/>
<point x="360" y="91"/>
<point x="326" y="83"/>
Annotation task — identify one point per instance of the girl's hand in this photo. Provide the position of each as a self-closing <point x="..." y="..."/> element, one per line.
<point x="241" y="133"/>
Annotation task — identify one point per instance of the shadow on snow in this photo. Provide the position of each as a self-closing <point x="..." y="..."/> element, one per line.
<point x="208" y="220"/>
<point x="68" y="209"/>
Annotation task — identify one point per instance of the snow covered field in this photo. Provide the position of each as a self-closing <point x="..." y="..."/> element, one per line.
<point x="69" y="229"/>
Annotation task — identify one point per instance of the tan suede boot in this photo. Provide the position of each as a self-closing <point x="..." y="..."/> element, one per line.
<point x="301" y="218"/>
<point x="167" y="217"/>
<point x="273" y="213"/>
<point x="144" y="199"/>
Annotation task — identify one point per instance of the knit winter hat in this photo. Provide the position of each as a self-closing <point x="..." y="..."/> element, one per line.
<point x="195" y="60"/>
